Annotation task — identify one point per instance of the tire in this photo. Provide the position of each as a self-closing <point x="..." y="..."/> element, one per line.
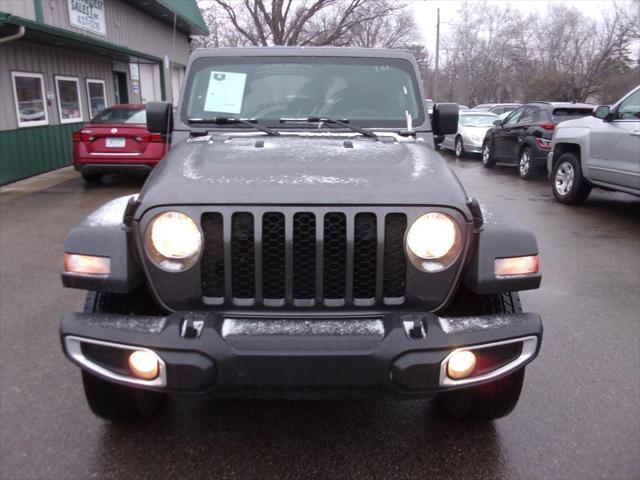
<point x="487" y="155"/>
<point x="567" y="182"/>
<point x="526" y="169"/>
<point x="459" y="147"/>
<point x="92" y="178"/>
<point x="495" y="399"/>
<point x="110" y="401"/>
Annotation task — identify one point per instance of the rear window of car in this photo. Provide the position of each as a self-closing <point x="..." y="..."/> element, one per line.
<point x="561" y="114"/>
<point x="122" y="115"/>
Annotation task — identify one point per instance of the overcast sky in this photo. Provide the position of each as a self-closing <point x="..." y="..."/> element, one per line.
<point x="425" y="11"/>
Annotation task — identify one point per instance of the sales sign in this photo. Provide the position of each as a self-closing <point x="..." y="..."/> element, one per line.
<point x="88" y="15"/>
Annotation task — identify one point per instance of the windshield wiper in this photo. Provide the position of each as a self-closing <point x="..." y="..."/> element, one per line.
<point x="250" y="122"/>
<point x="343" y="123"/>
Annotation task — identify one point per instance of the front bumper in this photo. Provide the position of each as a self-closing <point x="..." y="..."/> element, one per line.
<point x="473" y="147"/>
<point x="401" y="354"/>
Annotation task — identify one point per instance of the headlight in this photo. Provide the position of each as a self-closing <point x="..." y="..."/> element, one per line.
<point x="435" y="239"/>
<point x="173" y="241"/>
<point x="475" y="139"/>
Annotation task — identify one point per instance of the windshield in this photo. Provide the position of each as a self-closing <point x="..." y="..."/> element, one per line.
<point x="122" y="115"/>
<point x="477" y="120"/>
<point x="562" y="114"/>
<point x="366" y="91"/>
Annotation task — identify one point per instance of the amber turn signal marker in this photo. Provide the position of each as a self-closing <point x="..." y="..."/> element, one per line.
<point x="506" y="267"/>
<point x="144" y="364"/>
<point x="86" y="264"/>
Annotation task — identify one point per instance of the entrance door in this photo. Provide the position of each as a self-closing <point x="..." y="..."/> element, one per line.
<point x="122" y="91"/>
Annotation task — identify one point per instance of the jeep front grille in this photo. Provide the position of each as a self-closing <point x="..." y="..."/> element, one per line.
<point x="303" y="258"/>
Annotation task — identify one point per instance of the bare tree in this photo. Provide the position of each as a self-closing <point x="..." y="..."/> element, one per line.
<point x="395" y="29"/>
<point x="304" y="22"/>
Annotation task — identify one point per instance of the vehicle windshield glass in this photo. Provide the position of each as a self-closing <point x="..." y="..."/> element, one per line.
<point x="562" y="114"/>
<point x="369" y="92"/>
<point x="477" y="120"/>
<point x="122" y="115"/>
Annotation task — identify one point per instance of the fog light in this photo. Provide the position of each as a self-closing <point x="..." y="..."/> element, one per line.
<point x="461" y="364"/>
<point x="144" y="364"/>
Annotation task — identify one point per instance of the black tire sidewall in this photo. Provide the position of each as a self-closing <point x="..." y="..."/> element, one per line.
<point x="529" y="173"/>
<point x="490" y="161"/>
<point x="457" y="142"/>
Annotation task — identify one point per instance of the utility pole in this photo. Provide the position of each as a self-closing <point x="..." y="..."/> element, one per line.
<point x="435" y="74"/>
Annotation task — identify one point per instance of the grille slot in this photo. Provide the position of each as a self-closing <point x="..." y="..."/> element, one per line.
<point x="364" y="256"/>
<point x="303" y="258"/>
<point x="212" y="257"/>
<point x="395" y="263"/>
<point x="273" y="252"/>
<point x="242" y="255"/>
<point x="335" y="255"/>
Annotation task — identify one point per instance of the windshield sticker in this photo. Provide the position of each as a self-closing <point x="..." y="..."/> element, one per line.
<point x="225" y="92"/>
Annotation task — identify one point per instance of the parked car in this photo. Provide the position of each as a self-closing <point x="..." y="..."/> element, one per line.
<point x="598" y="151"/>
<point x="472" y="127"/>
<point x="463" y="107"/>
<point x="500" y="108"/>
<point x="497" y="108"/>
<point x="117" y="140"/>
<point x="278" y="253"/>
<point x="523" y="138"/>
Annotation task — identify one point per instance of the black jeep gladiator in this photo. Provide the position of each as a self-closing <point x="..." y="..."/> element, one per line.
<point x="301" y="239"/>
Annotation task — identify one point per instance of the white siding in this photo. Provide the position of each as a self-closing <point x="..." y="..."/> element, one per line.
<point x="20" y="8"/>
<point x="127" y="27"/>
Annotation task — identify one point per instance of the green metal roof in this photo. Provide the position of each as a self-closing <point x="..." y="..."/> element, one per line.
<point x="189" y="11"/>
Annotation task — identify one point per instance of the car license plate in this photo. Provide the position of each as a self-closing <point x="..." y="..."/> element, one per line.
<point x="115" y="142"/>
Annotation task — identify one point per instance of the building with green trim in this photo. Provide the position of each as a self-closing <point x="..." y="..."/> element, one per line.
<point x="61" y="61"/>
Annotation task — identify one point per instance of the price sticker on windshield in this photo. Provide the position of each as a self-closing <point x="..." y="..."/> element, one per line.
<point x="225" y="92"/>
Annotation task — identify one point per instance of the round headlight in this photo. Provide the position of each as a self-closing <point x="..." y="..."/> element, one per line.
<point x="434" y="237"/>
<point x="173" y="240"/>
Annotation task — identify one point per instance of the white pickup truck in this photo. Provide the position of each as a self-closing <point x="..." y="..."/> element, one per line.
<point x="598" y="151"/>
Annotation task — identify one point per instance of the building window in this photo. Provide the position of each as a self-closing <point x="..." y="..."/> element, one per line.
<point x="96" y="96"/>
<point x="29" y="97"/>
<point x="69" y="108"/>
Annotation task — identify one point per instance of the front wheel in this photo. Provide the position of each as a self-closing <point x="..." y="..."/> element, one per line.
<point x="111" y="401"/>
<point x="118" y="403"/>
<point x="494" y="399"/>
<point x="567" y="182"/>
<point x="487" y="401"/>
<point x="487" y="155"/>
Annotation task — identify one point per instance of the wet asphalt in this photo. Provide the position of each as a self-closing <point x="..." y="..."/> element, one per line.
<point x="578" y="417"/>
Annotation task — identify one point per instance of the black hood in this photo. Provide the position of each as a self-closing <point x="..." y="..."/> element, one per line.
<point x="297" y="170"/>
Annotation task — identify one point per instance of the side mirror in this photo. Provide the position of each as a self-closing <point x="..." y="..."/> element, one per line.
<point x="445" y="119"/>
<point x="602" y="112"/>
<point x="159" y="117"/>
<point x="498" y="122"/>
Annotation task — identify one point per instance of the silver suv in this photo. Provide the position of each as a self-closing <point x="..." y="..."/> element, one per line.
<point x="598" y="151"/>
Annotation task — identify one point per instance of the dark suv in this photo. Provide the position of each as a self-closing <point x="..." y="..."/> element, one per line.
<point x="305" y="241"/>
<point x="523" y="138"/>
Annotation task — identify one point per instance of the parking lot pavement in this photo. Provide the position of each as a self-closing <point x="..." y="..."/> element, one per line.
<point x="577" y="418"/>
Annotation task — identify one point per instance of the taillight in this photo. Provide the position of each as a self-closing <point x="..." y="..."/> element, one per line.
<point x="76" y="136"/>
<point x="548" y="126"/>
<point x="543" y="144"/>
<point x="156" y="138"/>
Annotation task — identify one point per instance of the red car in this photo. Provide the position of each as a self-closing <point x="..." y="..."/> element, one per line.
<point x="117" y="140"/>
